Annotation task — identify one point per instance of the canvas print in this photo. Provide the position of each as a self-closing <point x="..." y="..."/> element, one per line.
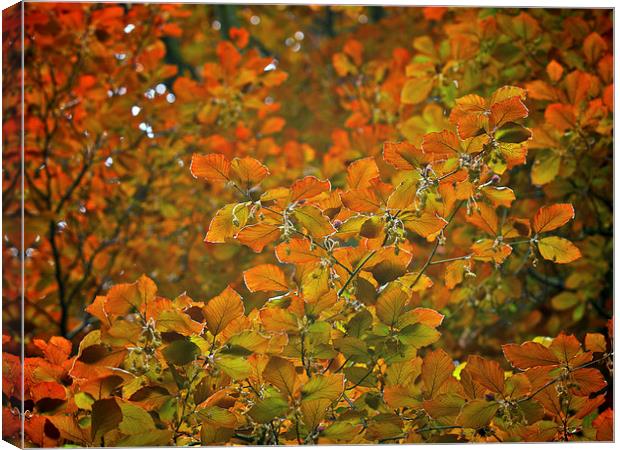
<point x="296" y="225"/>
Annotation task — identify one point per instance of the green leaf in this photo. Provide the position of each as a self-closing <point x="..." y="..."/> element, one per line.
<point x="150" y="438"/>
<point x="328" y="387"/>
<point x="353" y="349"/>
<point x="220" y="417"/>
<point x="360" y="322"/>
<point x="135" y="419"/>
<point x="477" y="413"/>
<point x="342" y="431"/>
<point x="391" y="304"/>
<point x="418" y="335"/>
<point x="212" y="434"/>
<point x="513" y="133"/>
<point x="564" y="300"/>
<point x="269" y="408"/>
<point x="84" y="401"/>
<point x="236" y="367"/>
<point x="361" y="376"/>
<point x="181" y="352"/>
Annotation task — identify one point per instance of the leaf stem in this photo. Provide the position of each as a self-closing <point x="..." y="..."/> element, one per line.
<point x="457" y="258"/>
<point x="559" y="377"/>
<point x="436" y="245"/>
<point x="359" y="267"/>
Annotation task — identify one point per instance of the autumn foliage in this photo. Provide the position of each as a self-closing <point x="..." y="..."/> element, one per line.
<point x="292" y="225"/>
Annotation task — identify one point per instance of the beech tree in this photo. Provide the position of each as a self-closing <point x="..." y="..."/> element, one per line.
<point x="294" y="225"/>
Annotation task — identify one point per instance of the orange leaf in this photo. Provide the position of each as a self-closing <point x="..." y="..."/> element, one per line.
<point x="308" y="187"/>
<point x="277" y="319"/>
<point x="594" y="46"/>
<point x="258" y="235"/>
<point x="427" y="316"/>
<point x="554" y="70"/>
<point x="486" y="372"/>
<point x="240" y="36"/>
<point x="298" y="251"/>
<point x="507" y="92"/>
<point x="360" y="172"/>
<point x="281" y="373"/>
<point x="485" y="218"/>
<point x="265" y="277"/>
<point x="354" y="49"/>
<point x="441" y="145"/>
<point x="561" y="116"/>
<point x="212" y="167"/>
<point x="223" y="309"/>
<point x="405" y="194"/>
<point x="454" y="273"/>
<point x="361" y="200"/>
<point x="402" y="155"/>
<point x="595" y="342"/>
<point x="416" y="90"/>
<point x="507" y="111"/>
<point x="469" y="115"/>
<point x="122" y="298"/>
<point x="273" y="125"/>
<point x="248" y="171"/>
<point x="488" y="250"/>
<point x="56" y="350"/>
<point x="551" y="217"/>
<point x="566" y="347"/>
<point x="499" y="196"/>
<point x="604" y="425"/>
<point x="425" y="225"/>
<point x="529" y="354"/>
<point x="47" y="389"/>
<point x="437" y="368"/>
<point x="587" y="381"/>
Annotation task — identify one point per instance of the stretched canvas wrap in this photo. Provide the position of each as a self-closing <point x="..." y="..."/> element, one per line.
<point x="289" y="225"/>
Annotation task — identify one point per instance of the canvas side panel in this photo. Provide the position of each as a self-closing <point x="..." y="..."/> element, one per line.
<point x="12" y="231"/>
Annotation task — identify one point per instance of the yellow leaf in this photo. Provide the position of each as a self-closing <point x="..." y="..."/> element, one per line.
<point x="545" y="168"/>
<point x="314" y="221"/>
<point x="313" y="411"/>
<point x="558" y="250"/>
<point x="416" y="90"/>
<point x="499" y="196"/>
<point x="426" y="224"/>
<point x="227" y="222"/>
